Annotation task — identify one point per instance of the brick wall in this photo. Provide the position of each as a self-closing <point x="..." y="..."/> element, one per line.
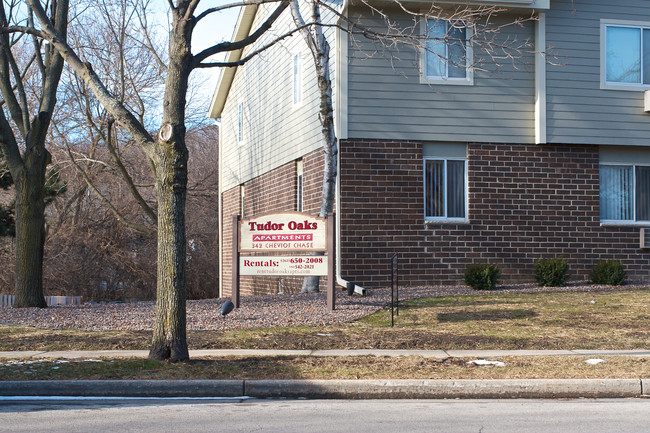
<point x="274" y="191"/>
<point x="525" y="202"/>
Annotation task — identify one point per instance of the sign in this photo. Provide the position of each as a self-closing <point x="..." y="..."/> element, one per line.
<point x="308" y="266"/>
<point x="290" y="231"/>
<point x="280" y="232"/>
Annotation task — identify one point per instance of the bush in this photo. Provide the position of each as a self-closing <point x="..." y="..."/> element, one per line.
<point x="609" y="272"/>
<point x="551" y="272"/>
<point x="482" y="276"/>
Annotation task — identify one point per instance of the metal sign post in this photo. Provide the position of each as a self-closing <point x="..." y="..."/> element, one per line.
<point x="394" y="292"/>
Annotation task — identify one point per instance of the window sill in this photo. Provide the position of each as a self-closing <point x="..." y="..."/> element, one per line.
<point x="447" y="222"/>
<point x="625" y="224"/>
<point x="447" y="81"/>
<point x="627" y="87"/>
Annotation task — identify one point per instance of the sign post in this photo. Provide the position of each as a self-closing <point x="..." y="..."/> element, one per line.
<point x="281" y="233"/>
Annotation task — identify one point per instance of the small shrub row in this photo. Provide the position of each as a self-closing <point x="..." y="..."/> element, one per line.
<point x="548" y="273"/>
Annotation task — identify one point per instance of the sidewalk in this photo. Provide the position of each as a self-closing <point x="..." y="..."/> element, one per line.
<point x="437" y="354"/>
<point x="340" y="389"/>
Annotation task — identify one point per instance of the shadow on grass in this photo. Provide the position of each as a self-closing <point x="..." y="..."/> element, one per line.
<point x="493" y="315"/>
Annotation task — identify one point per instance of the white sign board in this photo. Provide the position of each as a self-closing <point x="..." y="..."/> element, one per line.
<point x="283" y="265"/>
<point x="289" y="231"/>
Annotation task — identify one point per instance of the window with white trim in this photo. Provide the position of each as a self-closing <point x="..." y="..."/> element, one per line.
<point x="447" y="52"/>
<point x="445" y="189"/>
<point x="624" y="193"/>
<point x="299" y="186"/>
<point x="625" y="55"/>
<point x="297" y="79"/>
<point x="242" y="199"/>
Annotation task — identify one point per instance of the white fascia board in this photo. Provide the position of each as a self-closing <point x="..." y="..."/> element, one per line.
<point x="244" y="24"/>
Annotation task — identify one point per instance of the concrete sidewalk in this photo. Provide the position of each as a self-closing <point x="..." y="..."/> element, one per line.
<point x="340" y="389"/>
<point x="436" y="354"/>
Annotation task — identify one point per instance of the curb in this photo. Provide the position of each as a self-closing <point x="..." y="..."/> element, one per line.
<point x="123" y="388"/>
<point x="336" y="389"/>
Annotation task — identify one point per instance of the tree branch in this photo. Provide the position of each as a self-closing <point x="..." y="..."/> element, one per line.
<point x="85" y="71"/>
<point x="252" y="38"/>
<point x="137" y="227"/>
<point x="127" y="178"/>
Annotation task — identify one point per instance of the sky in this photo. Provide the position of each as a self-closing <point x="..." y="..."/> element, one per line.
<point x="214" y="29"/>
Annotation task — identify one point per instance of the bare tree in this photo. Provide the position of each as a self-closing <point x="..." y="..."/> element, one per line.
<point x="320" y="51"/>
<point x="166" y="153"/>
<point x="30" y="71"/>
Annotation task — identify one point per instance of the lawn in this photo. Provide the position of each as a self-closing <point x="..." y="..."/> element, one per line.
<point x="558" y="320"/>
<point x="566" y="320"/>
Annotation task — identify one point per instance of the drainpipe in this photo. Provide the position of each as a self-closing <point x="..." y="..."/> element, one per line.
<point x="220" y="213"/>
<point x="339" y="62"/>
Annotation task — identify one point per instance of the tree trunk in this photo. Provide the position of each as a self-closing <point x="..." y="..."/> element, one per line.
<point x="169" y="335"/>
<point x="30" y="228"/>
<point x="320" y="51"/>
<point x="170" y="163"/>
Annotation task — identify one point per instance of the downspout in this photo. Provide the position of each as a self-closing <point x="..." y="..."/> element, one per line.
<point x="220" y="213"/>
<point x="338" y="118"/>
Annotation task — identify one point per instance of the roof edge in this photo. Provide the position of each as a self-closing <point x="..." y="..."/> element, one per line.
<point x="242" y="30"/>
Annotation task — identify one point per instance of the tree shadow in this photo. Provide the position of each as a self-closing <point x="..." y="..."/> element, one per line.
<point x="491" y="315"/>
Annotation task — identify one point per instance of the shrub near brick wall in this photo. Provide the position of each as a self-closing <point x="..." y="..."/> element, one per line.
<point x="525" y="202"/>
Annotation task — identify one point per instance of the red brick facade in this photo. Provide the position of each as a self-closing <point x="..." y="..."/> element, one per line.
<point x="526" y="202"/>
<point x="274" y="191"/>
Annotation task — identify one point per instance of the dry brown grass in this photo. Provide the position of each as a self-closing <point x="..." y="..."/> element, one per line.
<point x="584" y="320"/>
<point x="411" y="367"/>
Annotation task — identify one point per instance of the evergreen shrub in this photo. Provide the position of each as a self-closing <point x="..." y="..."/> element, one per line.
<point x="551" y="272"/>
<point x="609" y="272"/>
<point x="482" y="276"/>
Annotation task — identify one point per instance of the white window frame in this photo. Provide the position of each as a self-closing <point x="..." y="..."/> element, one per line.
<point x="468" y="80"/>
<point x="466" y="190"/>
<point x="240" y="123"/>
<point x="633" y="221"/>
<point x="242" y="199"/>
<point x="613" y="85"/>
<point x="300" y="187"/>
<point x="296" y="80"/>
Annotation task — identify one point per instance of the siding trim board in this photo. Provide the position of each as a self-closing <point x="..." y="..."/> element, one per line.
<point x="540" y="79"/>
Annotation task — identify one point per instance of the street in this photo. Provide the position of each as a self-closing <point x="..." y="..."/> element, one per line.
<point x="287" y="416"/>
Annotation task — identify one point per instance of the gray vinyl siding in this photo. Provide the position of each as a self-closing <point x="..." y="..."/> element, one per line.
<point x="387" y="101"/>
<point x="275" y="132"/>
<point x="578" y="110"/>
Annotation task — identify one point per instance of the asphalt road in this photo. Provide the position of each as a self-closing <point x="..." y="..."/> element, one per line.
<point x="287" y="416"/>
